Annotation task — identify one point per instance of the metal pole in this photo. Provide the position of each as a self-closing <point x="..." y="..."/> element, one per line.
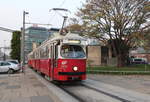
<point x="64" y="21"/>
<point x="65" y="18"/>
<point x="22" y="42"/>
<point x="4" y="57"/>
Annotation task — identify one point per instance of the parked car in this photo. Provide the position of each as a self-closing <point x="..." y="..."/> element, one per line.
<point x="13" y="61"/>
<point x="8" y="67"/>
<point x="138" y="61"/>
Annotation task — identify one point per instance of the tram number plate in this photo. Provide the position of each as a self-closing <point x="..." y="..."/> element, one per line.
<point x="74" y="78"/>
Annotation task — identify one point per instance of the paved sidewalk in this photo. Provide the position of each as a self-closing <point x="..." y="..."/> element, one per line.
<point x="23" y="88"/>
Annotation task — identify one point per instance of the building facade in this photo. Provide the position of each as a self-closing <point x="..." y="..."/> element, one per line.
<point x="34" y="36"/>
<point x="100" y="55"/>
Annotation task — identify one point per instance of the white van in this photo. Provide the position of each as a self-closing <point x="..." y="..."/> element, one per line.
<point x="139" y="61"/>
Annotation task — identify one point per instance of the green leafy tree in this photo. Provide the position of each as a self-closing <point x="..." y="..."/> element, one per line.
<point x="15" y="45"/>
<point x="120" y="23"/>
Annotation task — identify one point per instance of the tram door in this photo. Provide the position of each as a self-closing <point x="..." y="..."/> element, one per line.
<point x="53" y="60"/>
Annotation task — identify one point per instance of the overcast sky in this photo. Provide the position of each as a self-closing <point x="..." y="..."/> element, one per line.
<point x="11" y="14"/>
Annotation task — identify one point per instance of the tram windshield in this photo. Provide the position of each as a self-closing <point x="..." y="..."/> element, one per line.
<point x="72" y="51"/>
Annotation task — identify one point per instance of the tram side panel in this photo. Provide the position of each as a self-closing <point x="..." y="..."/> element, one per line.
<point x="45" y="66"/>
<point x="29" y="63"/>
<point x="33" y="62"/>
<point x="38" y="64"/>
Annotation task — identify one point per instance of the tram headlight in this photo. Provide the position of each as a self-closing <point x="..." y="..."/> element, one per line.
<point x="75" y="68"/>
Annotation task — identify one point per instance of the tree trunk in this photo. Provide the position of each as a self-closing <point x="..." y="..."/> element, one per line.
<point x="121" y="59"/>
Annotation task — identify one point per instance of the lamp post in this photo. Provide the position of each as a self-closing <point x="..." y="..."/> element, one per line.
<point x="4" y="57"/>
<point x="22" y="42"/>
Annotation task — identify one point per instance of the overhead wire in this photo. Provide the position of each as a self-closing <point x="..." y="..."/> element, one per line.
<point x="62" y="3"/>
<point x="52" y="19"/>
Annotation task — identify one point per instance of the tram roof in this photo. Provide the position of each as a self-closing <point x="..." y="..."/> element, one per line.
<point x="57" y="36"/>
<point x="69" y="35"/>
<point x="72" y="36"/>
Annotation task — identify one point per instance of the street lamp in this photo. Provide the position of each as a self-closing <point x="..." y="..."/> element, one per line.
<point x="23" y="41"/>
<point x="4" y="57"/>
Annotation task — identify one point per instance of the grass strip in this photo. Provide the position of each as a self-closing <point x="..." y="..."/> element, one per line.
<point x="130" y="70"/>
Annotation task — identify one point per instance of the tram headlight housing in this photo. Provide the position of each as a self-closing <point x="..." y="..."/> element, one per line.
<point x="75" y="68"/>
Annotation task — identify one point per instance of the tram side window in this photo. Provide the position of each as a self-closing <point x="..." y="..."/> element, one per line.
<point x="30" y="56"/>
<point x="51" y="51"/>
<point x="47" y="52"/>
<point x="39" y="54"/>
<point x="42" y="53"/>
<point x="56" y="52"/>
<point x="33" y="55"/>
<point x="36" y="56"/>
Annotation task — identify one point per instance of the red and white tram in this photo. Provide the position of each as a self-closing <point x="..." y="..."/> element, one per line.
<point x="61" y="58"/>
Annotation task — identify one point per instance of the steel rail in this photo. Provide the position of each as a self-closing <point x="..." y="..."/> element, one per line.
<point x="106" y="93"/>
<point x="70" y="93"/>
<point x="61" y="86"/>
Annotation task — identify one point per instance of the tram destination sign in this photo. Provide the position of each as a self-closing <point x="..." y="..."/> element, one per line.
<point x="71" y="41"/>
<point x="74" y="41"/>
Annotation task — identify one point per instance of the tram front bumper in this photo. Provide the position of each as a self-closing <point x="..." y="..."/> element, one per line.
<point x="72" y="73"/>
<point x="66" y="76"/>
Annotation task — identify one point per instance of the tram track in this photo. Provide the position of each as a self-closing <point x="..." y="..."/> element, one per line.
<point x="69" y="88"/>
<point x="82" y="97"/>
<point x="66" y="88"/>
<point x="72" y="94"/>
<point x="108" y="94"/>
<point x="68" y="92"/>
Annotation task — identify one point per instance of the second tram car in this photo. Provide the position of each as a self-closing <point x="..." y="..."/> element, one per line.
<point x="61" y="58"/>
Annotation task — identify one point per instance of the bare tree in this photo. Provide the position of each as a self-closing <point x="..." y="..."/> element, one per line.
<point x="145" y="40"/>
<point x="118" y="22"/>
